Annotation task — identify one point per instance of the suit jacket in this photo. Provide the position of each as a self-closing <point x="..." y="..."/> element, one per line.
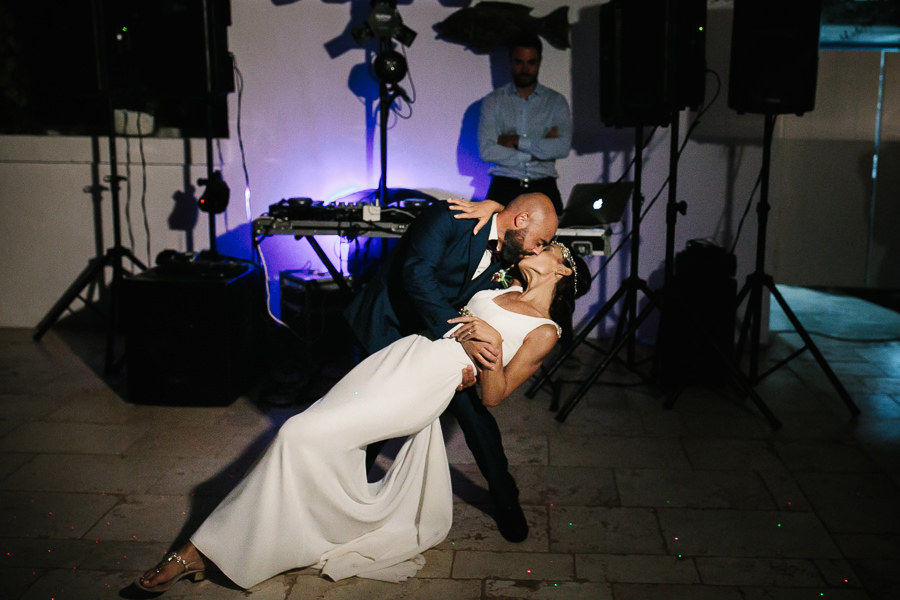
<point x="426" y="279"/>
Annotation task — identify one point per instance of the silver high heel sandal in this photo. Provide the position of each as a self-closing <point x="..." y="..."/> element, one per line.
<point x="190" y="571"/>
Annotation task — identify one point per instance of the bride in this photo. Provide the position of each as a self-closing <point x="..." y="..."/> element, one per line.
<point x="308" y="501"/>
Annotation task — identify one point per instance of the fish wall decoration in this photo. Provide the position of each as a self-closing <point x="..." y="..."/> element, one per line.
<point x="489" y="25"/>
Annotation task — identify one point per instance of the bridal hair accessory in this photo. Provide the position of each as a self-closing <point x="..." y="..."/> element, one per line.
<point x="502" y="277"/>
<point x="567" y="256"/>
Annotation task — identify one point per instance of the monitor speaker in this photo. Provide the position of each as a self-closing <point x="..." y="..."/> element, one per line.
<point x="774" y="56"/>
<point x="652" y="60"/>
<point x="191" y="332"/>
<point x="697" y="328"/>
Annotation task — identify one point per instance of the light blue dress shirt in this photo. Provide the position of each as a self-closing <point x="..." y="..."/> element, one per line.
<point x="505" y="112"/>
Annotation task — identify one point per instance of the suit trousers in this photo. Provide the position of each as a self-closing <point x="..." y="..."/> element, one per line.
<point x="484" y="441"/>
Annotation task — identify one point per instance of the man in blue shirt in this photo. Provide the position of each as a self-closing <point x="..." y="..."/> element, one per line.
<point x="524" y="128"/>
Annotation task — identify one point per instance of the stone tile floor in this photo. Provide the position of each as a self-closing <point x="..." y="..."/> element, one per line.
<point x="626" y="500"/>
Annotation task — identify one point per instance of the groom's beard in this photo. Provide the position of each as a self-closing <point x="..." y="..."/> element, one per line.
<point x="513" y="246"/>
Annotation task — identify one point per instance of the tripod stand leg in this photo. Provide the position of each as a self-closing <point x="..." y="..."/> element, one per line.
<point x="90" y="273"/>
<point x="804" y="335"/>
<point x="595" y="375"/>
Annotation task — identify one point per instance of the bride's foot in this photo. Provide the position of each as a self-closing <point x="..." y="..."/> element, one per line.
<point x="174" y="566"/>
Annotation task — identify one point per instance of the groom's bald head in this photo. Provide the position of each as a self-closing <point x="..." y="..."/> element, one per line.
<point x="526" y="225"/>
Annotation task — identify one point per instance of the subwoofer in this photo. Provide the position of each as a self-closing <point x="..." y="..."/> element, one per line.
<point x="191" y="332"/>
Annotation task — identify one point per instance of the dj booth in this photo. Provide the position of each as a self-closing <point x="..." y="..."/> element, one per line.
<point x="302" y="218"/>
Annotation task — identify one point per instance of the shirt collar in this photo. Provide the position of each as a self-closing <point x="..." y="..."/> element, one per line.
<point x="511" y="89"/>
<point x="493" y="233"/>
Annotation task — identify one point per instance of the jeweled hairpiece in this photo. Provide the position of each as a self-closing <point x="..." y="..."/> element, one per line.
<point x="567" y="256"/>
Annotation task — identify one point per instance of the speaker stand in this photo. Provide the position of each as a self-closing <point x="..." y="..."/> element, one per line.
<point x="674" y="305"/>
<point x="759" y="280"/>
<point x="624" y="338"/>
<point x="113" y="257"/>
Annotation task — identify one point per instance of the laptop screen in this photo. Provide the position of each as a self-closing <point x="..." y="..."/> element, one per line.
<point x="594" y="204"/>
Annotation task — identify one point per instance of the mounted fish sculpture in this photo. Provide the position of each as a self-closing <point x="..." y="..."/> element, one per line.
<point x="489" y="25"/>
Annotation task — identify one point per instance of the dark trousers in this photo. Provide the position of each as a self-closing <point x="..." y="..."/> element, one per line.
<point x="483" y="438"/>
<point x="504" y="189"/>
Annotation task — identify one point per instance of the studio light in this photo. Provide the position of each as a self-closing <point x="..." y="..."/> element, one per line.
<point x="215" y="197"/>
<point x="390" y="66"/>
<point x="384" y="21"/>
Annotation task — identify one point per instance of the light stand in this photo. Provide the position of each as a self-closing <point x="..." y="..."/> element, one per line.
<point x="385" y="23"/>
<point x="759" y="279"/>
<point x="114" y="255"/>
<point x="214" y="199"/>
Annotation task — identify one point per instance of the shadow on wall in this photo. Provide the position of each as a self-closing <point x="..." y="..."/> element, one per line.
<point x="468" y="156"/>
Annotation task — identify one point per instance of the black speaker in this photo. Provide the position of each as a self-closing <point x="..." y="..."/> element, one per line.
<point x="191" y="332"/>
<point x="774" y="56"/>
<point x="313" y="304"/>
<point x="159" y="47"/>
<point x="67" y="57"/>
<point x="652" y="60"/>
<point x="697" y="325"/>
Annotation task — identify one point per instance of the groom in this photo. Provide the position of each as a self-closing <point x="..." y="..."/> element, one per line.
<point x="435" y="268"/>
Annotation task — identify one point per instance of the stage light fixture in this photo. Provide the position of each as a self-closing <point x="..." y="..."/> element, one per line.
<point x="215" y="197"/>
<point x="385" y="22"/>
<point x="390" y="66"/>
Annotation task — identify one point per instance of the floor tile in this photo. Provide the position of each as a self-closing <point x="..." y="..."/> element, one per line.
<point x="635" y="569"/>
<point x="745" y="533"/>
<point x="692" y="489"/>
<point x="513" y="565"/>
<point x="604" y="530"/>
<point x="52" y="515"/>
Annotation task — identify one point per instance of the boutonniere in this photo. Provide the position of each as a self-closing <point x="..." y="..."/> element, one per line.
<point x="502" y="277"/>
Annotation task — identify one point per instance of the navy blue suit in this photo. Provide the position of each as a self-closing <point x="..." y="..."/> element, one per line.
<point x="425" y="281"/>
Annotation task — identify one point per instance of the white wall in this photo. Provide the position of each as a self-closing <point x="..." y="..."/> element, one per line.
<point x="308" y="129"/>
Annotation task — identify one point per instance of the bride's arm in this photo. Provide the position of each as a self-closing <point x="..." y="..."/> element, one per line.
<point x="498" y="384"/>
<point x="482" y="211"/>
<point x="497" y="381"/>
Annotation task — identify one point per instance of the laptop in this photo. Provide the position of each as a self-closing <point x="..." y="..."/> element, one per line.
<point x="595" y="204"/>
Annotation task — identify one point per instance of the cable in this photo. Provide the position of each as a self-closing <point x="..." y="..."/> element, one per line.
<point x="124" y="114"/>
<point x="737" y="235"/>
<point x="665" y="183"/>
<point x="265" y="270"/>
<point x="240" y="91"/>
<point x="144" y="188"/>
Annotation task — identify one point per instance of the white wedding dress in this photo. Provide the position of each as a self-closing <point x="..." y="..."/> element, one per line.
<point x="307" y="501"/>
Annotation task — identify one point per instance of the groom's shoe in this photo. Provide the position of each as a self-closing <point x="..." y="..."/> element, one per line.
<point x="511" y="523"/>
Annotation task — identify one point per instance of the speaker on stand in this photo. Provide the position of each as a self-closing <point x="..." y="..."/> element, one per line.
<point x="774" y="63"/>
<point x="652" y="65"/>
